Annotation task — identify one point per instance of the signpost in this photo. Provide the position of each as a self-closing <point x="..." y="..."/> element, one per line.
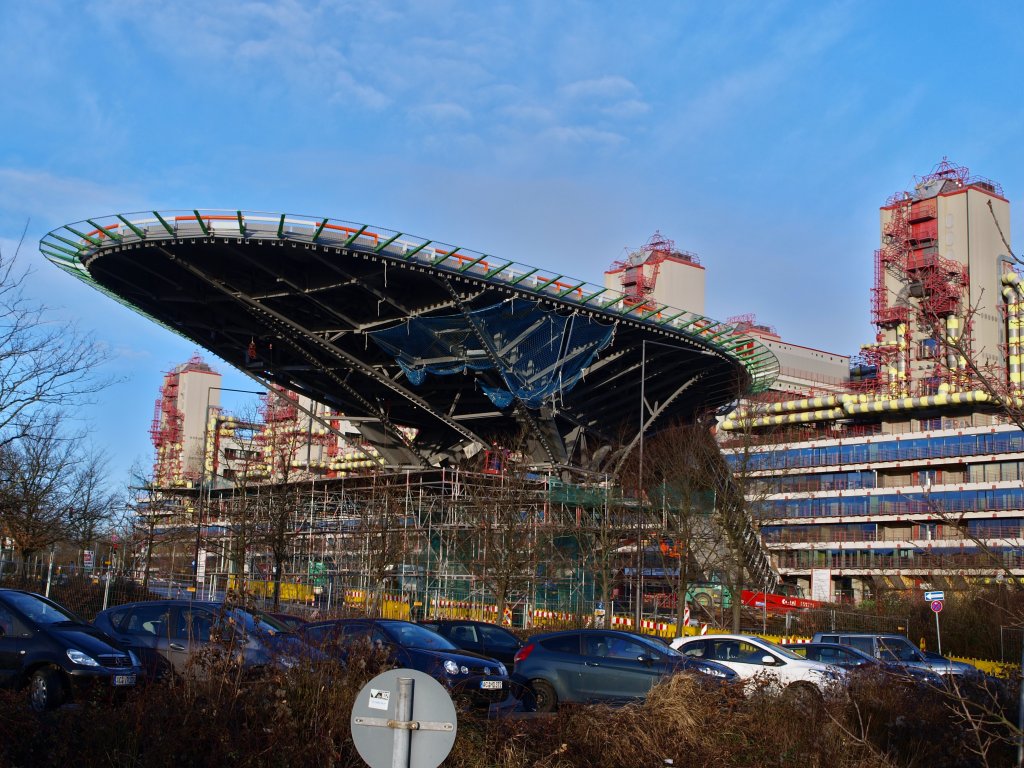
<point x="936" y="598"/>
<point x="391" y="710"/>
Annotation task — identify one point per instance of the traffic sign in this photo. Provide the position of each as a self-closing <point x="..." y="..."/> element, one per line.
<point x="936" y="605"/>
<point x="934" y="595"/>
<point x="390" y="725"/>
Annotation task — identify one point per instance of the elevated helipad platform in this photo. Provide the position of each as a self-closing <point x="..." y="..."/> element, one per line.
<point x="400" y="332"/>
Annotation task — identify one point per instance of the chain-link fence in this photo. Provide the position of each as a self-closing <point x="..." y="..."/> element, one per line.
<point x="1011" y="644"/>
<point x="805" y="623"/>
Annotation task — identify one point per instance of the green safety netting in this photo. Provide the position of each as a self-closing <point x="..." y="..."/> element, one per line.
<point x="538" y="352"/>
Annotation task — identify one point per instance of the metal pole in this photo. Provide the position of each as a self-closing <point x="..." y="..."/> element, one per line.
<point x="1020" y="718"/>
<point x="639" y="597"/>
<point x="403" y="714"/>
<point x="106" y="591"/>
<point x="764" y="610"/>
<point x="938" y="633"/>
<point x="49" y="574"/>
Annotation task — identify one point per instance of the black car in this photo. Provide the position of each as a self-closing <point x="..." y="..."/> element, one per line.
<point x="168" y="635"/>
<point x="55" y="654"/>
<point x="473" y="679"/>
<point x="478" y="636"/>
<point x="587" y="665"/>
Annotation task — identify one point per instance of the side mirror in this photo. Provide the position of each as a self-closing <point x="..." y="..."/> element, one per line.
<point x="768" y="660"/>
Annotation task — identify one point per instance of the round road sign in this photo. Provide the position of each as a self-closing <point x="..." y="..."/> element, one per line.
<point x="428" y="730"/>
<point x="936" y="605"/>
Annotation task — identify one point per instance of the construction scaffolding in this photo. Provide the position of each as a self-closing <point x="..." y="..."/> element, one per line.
<point x="510" y="543"/>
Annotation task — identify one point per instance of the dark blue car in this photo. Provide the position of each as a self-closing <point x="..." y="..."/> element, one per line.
<point x="170" y="635"/>
<point x="587" y="665"/>
<point x="473" y="680"/>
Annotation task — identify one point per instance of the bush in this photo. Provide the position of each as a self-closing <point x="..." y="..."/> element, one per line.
<point x="302" y="719"/>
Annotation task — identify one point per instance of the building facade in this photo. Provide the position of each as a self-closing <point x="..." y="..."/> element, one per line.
<point x="910" y="474"/>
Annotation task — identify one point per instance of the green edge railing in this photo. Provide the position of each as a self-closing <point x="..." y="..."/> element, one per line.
<point x="69" y="246"/>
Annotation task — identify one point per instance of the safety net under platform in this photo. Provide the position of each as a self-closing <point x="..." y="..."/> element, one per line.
<point x="537" y="352"/>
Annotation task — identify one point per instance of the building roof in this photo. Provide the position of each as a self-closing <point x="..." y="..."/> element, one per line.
<point x="307" y="302"/>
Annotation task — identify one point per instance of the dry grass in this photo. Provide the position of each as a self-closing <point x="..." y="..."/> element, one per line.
<point x="302" y="719"/>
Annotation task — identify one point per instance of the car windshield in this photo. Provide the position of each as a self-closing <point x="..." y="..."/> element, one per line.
<point x="38" y="609"/>
<point x="898" y="649"/>
<point x="414" y="636"/>
<point x="783" y="652"/>
<point x="658" y="647"/>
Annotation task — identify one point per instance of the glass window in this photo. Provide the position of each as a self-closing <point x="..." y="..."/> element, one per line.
<point x="496" y="637"/>
<point x="415" y="636"/>
<point x="6" y="622"/>
<point x="463" y="633"/>
<point x="738" y="651"/>
<point x="194" y="625"/>
<point x="624" y="648"/>
<point x="151" y="620"/>
<point x="898" y="649"/>
<point x="562" y="644"/>
<point x="695" y="650"/>
<point x="865" y="644"/>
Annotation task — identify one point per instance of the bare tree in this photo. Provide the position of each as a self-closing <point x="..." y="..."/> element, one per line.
<point x="682" y="469"/>
<point x="152" y="518"/>
<point x="276" y="527"/>
<point x="44" y="364"/>
<point x="50" y="490"/>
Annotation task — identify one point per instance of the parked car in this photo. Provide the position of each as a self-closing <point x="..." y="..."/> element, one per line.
<point x="751" y="656"/>
<point x="473" y="680"/>
<point x="855" y="660"/>
<point x="169" y="635"/>
<point x="479" y="637"/>
<point x="585" y="665"/>
<point x="897" y="648"/>
<point x="55" y="654"/>
<point x="290" y="620"/>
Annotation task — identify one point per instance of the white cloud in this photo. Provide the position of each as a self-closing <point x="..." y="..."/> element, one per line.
<point x="444" y="111"/>
<point x="582" y="134"/>
<point x="609" y="87"/>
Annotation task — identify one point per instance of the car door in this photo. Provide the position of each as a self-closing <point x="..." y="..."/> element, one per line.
<point x="11" y="648"/>
<point x="144" y="629"/>
<point x="612" y="667"/>
<point x="190" y="634"/>
<point x="743" y="657"/>
<point x="499" y="644"/>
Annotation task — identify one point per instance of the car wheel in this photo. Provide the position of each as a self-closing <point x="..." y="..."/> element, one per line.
<point x="545" y="696"/>
<point x="46" y="689"/>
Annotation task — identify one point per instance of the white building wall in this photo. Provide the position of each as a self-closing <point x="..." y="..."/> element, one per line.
<point x="196" y="396"/>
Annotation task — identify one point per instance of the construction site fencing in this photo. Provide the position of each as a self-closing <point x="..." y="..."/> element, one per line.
<point x="86" y="595"/>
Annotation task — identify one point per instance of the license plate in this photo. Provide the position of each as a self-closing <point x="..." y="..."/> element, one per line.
<point x="124" y="680"/>
<point x="491" y="684"/>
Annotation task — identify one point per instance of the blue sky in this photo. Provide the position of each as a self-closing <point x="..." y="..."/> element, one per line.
<point x="763" y="136"/>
